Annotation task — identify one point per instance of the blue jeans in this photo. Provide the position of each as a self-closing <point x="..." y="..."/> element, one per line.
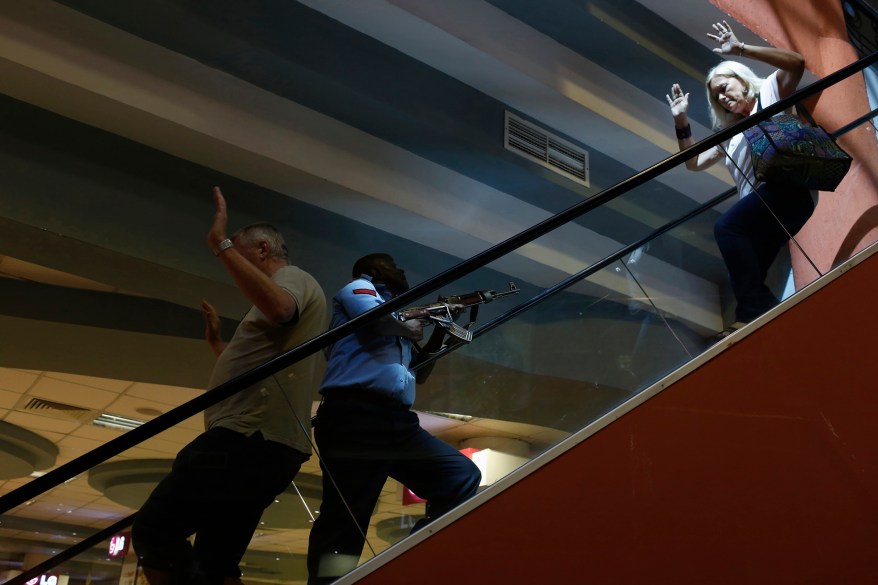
<point x="362" y="442"/>
<point x="217" y="489"/>
<point x="750" y="238"/>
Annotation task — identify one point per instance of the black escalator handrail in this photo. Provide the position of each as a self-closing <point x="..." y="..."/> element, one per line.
<point x="200" y="403"/>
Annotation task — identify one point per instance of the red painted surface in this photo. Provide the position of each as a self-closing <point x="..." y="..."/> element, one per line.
<point x="759" y="467"/>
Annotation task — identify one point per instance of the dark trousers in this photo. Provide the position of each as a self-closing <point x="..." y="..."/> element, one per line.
<point x="362" y="443"/>
<point x="217" y="489"/>
<point x="750" y="238"/>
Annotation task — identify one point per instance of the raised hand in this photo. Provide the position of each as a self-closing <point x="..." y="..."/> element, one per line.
<point x="217" y="231"/>
<point x="211" y="320"/>
<point x="728" y="42"/>
<point x="212" y="328"/>
<point x="678" y="101"/>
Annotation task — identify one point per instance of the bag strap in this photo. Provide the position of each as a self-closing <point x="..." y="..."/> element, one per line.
<point x="761" y="129"/>
<point x="801" y="109"/>
<point x="743" y="174"/>
<point x="732" y="160"/>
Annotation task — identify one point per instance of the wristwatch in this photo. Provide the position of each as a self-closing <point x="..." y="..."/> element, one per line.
<point x="223" y="246"/>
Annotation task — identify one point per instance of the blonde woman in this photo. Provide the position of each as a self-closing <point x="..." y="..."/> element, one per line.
<point x="751" y="233"/>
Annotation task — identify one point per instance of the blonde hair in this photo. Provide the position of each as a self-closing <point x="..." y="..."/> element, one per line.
<point x="719" y="116"/>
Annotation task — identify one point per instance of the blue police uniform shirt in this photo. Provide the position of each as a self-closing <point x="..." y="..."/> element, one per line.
<point x="363" y="361"/>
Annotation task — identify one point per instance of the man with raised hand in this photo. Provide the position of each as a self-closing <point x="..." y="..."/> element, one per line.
<point x="256" y="440"/>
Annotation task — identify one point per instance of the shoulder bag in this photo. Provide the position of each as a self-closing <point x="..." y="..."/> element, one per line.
<point x="783" y="149"/>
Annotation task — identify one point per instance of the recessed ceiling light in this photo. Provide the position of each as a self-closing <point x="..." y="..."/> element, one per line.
<point x="148" y="411"/>
<point x="115" y="421"/>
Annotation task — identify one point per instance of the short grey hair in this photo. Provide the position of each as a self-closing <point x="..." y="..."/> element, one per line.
<point x="256" y="232"/>
<point x="719" y="116"/>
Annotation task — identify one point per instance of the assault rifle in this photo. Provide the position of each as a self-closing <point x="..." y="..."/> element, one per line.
<point x="446" y="309"/>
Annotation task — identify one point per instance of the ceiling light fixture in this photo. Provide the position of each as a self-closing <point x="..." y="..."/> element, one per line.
<point x="115" y="421"/>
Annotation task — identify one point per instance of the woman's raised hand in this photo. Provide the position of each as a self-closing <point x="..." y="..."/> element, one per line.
<point x="728" y="42"/>
<point x="678" y="101"/>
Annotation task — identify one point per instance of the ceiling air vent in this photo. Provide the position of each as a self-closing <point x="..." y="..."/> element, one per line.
<point x="45" y="407"/>
<point x="552" y="152"/>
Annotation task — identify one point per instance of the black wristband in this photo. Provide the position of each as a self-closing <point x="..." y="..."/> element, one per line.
<point x="684" y="132"/>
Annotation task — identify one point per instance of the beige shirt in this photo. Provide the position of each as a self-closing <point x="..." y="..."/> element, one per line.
<point x="280" y="406"/>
